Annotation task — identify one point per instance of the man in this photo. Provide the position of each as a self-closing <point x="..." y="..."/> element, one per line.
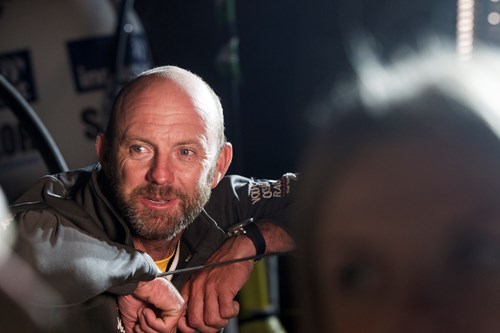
<point x="92" y="232"/>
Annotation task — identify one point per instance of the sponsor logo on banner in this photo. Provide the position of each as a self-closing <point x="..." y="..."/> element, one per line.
<point x="17" y="69"/>
<point x="91" y="58"/>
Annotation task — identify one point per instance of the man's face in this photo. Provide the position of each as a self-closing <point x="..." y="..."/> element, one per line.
<point x="163" y="160"/>
<point x="410" y="240"/>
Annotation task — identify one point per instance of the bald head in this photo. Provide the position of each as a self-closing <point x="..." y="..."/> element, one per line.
<point x="205" y="100"/>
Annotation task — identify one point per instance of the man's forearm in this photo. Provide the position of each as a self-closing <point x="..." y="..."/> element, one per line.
<point x="276" y="238"/>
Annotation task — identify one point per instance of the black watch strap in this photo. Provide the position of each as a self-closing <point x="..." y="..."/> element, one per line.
<point x="252" y="231"/>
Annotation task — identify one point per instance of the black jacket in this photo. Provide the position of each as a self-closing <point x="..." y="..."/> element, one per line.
<point x="70" y="233"/>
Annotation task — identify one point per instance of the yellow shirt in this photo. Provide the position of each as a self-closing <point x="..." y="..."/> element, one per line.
<point x="163" y="263"/>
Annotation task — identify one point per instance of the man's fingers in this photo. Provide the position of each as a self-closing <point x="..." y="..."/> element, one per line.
<point x="212" y="316"/>
<point x="149" y="323"/>
<point x="198" y="317"/>
<point x="228" y="307"/>
<point x="184" y="327"/>
<point x="194" y="312"/>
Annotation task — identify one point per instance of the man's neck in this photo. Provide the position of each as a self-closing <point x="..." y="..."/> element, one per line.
<point x="156" y="249"/>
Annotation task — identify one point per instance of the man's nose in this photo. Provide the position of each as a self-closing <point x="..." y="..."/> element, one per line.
<point x="161" y="171"/>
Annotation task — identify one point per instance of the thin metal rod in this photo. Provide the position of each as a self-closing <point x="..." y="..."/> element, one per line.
<point x="222" y="263"/>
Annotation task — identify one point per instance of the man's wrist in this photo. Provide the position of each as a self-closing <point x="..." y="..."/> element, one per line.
<point x="249" y="229"/>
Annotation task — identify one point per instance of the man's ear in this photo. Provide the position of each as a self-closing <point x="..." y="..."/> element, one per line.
<point x="102" y="148"/>
<point x="223" y="162"/>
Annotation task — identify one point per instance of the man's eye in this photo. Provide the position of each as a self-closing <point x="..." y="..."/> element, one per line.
<point x="136" y="150"/>
<point x="185" y="152"/>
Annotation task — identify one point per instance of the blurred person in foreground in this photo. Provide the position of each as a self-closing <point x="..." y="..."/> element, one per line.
<point x="399" y="214"/>
<point x="157" y="201"/>
<point x="23" y="294"/>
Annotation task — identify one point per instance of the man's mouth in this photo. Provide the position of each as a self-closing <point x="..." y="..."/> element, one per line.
<point x="157" y="202"/>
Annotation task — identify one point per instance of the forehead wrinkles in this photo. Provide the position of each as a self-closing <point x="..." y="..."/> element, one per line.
<point x="148" y="90"/>
<point x="160" y="98"/>
<point x="196" y="93"/>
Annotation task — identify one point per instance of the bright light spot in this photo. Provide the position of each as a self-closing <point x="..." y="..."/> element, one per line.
<point x="465" y="28"/>
<point x="493" y="18"/>
<point x="128" y="27"/>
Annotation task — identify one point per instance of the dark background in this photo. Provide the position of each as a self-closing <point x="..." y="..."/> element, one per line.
<point x="290" y="53"/>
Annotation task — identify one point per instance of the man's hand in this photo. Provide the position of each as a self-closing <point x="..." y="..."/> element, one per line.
<point x="155" y="306"/>
<point x="210" y="293"/>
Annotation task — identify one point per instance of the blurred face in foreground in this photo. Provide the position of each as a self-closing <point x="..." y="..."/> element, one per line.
<point x="410" y="239"/>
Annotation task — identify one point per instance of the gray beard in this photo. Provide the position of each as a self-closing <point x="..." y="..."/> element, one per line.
<point x="161" y="225"/>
